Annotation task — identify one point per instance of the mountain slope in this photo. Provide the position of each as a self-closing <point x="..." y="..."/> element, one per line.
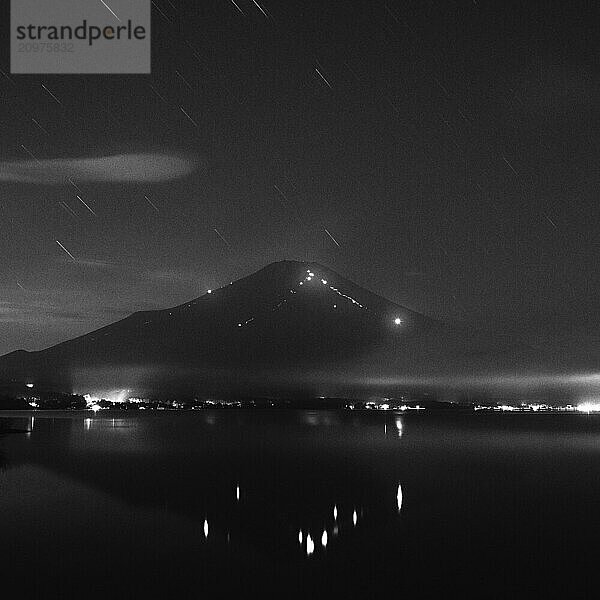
<point x="281" y="323"/>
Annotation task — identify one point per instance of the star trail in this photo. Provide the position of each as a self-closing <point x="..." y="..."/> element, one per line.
<point x="439" y="153"/>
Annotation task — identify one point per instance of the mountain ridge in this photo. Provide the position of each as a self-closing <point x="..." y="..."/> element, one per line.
<point x="289" y="324"/>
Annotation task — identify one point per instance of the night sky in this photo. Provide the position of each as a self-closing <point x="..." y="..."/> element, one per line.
<point x="442" y="154"/>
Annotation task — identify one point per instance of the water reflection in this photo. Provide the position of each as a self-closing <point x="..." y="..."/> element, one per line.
<point x="320" y="418"/>
<point x="319" y="494"/>
<point x="110" y="423"/>
<point x="301" y="487"/>
<point x="310" y="545"/>
<point x="399" y="426"/>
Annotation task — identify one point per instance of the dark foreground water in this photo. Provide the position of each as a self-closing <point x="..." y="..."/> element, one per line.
<point x="228" y="503"/>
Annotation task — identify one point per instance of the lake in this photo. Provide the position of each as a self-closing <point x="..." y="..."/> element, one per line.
<point x="362" y="504"/>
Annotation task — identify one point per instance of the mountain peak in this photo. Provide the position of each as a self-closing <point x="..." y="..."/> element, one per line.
<point x="289" y="315"/>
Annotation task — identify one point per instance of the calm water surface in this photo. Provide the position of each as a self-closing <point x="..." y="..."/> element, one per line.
<point x="233" y="503"/>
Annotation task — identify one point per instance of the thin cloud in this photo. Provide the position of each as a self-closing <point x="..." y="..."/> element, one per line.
<point x="115" y="168"/>
<point x="171" y="276"/>
<point x="39" y="312"/>
<point x="87" y="262"/>
<point x="54" y="314"/>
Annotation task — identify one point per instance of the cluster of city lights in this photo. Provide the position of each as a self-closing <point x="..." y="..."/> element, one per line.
<point x="583" y="407"/>
<point x="387" y="406"/>
<point x="115" y="396"/>
<point x="589" y="407"/>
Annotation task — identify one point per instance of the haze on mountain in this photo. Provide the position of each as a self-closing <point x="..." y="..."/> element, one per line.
<point x="290" y="328"/>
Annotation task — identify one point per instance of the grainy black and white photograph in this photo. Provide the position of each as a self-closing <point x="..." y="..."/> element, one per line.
<point x="299" y="299"/>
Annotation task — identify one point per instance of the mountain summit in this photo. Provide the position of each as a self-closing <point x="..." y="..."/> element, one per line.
<point x="288" y="326"/>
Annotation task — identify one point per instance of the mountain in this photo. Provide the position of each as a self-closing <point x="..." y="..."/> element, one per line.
<point x="292" y="326"/>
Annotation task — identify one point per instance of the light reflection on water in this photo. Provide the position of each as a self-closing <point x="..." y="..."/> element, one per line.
<point x="310" y="545"/>
<point x="324" y="539"/>
<point x="399" y="426"/>
<point x="182" y="443"/>
<point x="294" y="487"/>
